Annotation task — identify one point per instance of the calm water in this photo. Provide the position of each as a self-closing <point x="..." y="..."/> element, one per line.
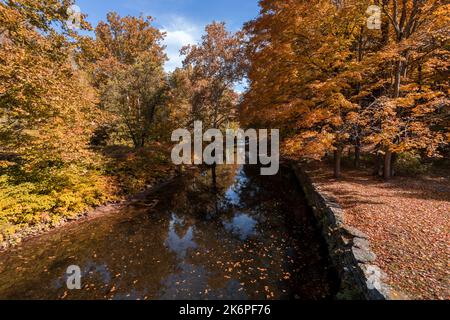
<point x="251" y="238"/>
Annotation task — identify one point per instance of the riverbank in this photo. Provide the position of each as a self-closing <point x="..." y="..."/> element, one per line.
<point x="127" y="174"/>
<point x="406" y="220"/>
<point x="28" y="233"/>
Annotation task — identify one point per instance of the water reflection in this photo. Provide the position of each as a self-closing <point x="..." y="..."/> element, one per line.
<point x="241" y="225"/>
<point x="232" y="195"/>
<point x="250" y="237"/>
<point x="189" y="282"/>
<point x="180" y="238"/>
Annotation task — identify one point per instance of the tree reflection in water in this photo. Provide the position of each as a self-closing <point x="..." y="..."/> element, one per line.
<point x="247" y="237"/>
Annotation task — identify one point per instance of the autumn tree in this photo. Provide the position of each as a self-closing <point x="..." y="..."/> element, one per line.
<point x="126" y="63"/>
<point x="217" y="65"/>
<point x="180" y="97"/>
<point x="322" y="76"/>
<point x="408" y="110"/>
<point x="135" y="94"/>
<point x="44" y="103"/>
<point x="47" y="115"/>
<point x="120" y="41"/>
<point x="302" y="75"/>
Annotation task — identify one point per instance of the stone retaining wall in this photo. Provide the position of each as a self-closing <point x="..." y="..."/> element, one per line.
<point x="348" y="247"/>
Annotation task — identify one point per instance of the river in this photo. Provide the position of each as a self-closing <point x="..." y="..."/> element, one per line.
<point x="251" y="237"/>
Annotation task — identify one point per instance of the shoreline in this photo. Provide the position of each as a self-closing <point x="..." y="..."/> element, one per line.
<point x="29" y="233"/>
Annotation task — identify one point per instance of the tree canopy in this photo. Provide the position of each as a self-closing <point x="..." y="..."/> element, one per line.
<point x="329" y="81"/>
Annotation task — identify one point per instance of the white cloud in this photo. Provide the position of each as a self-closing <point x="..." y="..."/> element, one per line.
<point x="179" y="33"/>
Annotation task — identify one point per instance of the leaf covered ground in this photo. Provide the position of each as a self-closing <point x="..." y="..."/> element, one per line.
<point x="408" y="222"/>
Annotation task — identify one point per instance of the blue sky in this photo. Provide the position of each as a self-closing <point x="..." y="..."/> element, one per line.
<point x="182" y="20"/>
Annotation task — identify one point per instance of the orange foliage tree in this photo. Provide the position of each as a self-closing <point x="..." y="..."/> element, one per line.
<point x="319" y="73"/>
<point x="216" y="65"/>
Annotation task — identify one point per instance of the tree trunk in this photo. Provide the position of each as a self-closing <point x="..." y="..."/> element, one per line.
<point x="420" y="76"/>
<point x="357" y="155"/>
<point x="135" y="144"/>
<point x="398" y="79"/>
<point x="385" y="25"/>
<point x="214" y="177"/>
<point x="378" y="165"/>
<point x="393" y="161"/>
<point x="337" y="162"/>
<point x="387" y="165"/>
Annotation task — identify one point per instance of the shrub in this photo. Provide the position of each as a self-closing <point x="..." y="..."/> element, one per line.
<point x="58" y="194"/>
<point x="410" y="164"/>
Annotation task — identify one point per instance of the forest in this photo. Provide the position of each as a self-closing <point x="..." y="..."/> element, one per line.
<point x="87" y="113"/>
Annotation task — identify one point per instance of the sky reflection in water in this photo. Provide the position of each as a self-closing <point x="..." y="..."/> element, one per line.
<point x="253" y="239"/>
